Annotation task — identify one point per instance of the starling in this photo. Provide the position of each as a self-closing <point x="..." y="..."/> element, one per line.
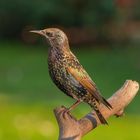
<point x="68" y="74"/>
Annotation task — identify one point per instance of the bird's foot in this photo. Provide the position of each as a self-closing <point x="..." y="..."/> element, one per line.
<point x="66" y="112"/>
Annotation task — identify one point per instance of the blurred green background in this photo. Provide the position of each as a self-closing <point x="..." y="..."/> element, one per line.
<point x="104" y="35"/>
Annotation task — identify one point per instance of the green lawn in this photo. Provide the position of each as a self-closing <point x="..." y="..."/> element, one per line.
<point x="28" y="96"/>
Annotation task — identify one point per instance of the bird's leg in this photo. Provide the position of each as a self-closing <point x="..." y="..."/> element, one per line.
<point x="74" y="105"/>
<point x="71" y="107"/>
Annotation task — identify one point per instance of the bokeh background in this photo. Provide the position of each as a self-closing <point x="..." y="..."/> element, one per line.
<point x="105" y="36"/>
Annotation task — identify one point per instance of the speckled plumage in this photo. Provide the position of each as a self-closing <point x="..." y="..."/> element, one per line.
<point x="58" y="61"/>
<point x="68" y="74"/>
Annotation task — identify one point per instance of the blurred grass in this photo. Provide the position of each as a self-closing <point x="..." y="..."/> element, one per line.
<point x="28" y="96"/>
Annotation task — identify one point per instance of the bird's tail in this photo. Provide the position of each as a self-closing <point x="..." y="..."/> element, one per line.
<point x="106" y="103"/>
<point x="93" y="104"/>
<point x="100" y="116"/>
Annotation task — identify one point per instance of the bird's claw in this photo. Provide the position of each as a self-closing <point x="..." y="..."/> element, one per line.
<point x="66" y="113"/>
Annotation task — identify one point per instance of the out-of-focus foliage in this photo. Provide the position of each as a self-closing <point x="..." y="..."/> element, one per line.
<point x="28" y="96"/>
<point x="95" y="20"/>
<point x="16" y="14"/>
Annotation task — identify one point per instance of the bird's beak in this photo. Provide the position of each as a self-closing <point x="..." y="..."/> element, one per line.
<point x="40" y="32"/>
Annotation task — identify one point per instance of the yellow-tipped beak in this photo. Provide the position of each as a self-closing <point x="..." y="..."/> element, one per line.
<point x="40" y="32"/>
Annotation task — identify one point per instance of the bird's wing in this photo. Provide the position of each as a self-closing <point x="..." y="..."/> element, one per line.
<point x="84" y="79"/>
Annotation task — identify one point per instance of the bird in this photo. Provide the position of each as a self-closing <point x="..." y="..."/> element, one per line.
<point x="69" y="75"/>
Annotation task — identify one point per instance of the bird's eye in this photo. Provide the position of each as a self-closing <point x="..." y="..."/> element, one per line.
<point x="49" y="34"/>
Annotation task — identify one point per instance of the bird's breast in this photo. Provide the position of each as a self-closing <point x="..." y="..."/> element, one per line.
<point x="57" y="64"/>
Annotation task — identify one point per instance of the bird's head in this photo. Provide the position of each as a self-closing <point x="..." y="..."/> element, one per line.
<point x="54" y="36"/>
